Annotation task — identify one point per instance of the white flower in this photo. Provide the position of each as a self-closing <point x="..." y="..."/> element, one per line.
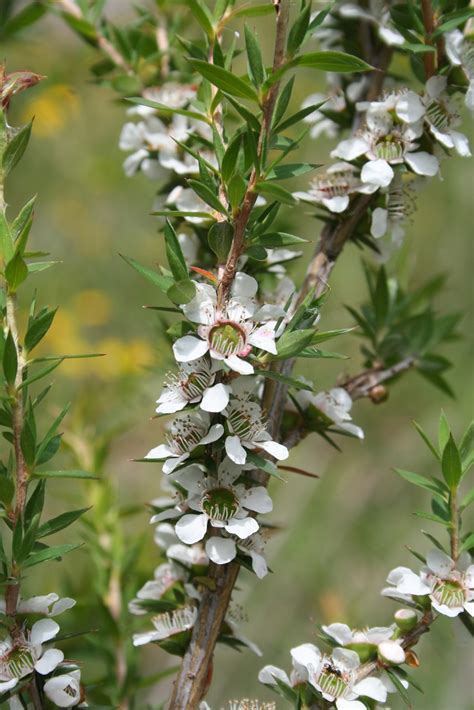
<point x="449" y="585"/>
<point x="441" y="116"/>
<point x="188" y="555"/>
<point x="333" y="188"/>
<point x="389" y="220"/>
<point x="22" y="656"/>
<point x="168" y="624"/>
<point x="170" y="94"/>
<point x="254" y="546"/>
<point x="345" y="636"/>
<point x="165" y="577"/>
<point x="64" y="690"/>
<point x="303" y="657"/>
<point x="334" y="404"/>
<point x="247" y="426"/>
<point x="193" y="383"/>
<point x="153" y="145"/>
<point x="460" y="51"/>
<point x="223" y="503"/>
<point x="186" y="432"/>
<point x="321" y="124"/>
<point x="378" y="15"/>
<point x="229" y="332"/>
<point x="392" y="127"/>
<point x="48" y="605"/>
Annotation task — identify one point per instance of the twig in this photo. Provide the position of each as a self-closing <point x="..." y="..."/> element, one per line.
<point x="454" y="530"/>
<point x="429" y="24"/>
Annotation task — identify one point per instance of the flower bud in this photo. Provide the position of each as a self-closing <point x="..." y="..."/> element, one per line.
<point x="11" y="84"/>
<point x="391" y="652"/>
<point x="378" y="394"/>
<point x="406" y="619"/>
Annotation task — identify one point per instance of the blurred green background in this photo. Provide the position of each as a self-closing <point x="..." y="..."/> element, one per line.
<point x="340" y="535"/>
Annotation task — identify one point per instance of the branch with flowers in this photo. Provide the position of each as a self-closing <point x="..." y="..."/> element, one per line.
<point x="218" y="139"/>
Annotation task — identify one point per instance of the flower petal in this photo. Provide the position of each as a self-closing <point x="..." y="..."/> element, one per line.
<point x="216" y="398"/>
<point x="189" y="348"/>
<point x="235" y="451"/>
<point x="242" y="527"/>
<point x="377" y="172"/>
<point x="244" y="285"/>
<point x="379" y="222"/>
<point x="43" y="630"/>
<point x="238" y="365"/>
<point x="278" y="451"/>
<point x="264" y="338"/>
<point x="221" y="550"/>
<point x="268" y="674"/>
<point x="257" y="499"/>
<point x="439" y="562"/>
<point x="339" y="632"/>
<point x="350" y="149"/>
<point x="371" y="688"/>
<point x="160" y="452"/>
<point x="191" y="528"/>
<point x="214" y="433"/>
<point x="49" y="661"/>
<point x="422" y="163"/>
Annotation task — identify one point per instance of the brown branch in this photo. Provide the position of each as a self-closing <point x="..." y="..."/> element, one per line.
<point x="429" y="24"/>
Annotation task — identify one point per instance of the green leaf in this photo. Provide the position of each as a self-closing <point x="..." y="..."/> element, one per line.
<point x="276" y="192"/>
<point x="451" y="464"/>
<point x="468" y="543"/>
<point x="229" y="161"/>
<point x="180" y="213"/>
<point x="174" y="253"/>
<point x="468" y="499"/>
<point x="427" y="441"/>
<point x="73" y="473"/>
<point x="443" y="431"/>
<point x="466" y="449"/>
<point x="274" y="240"/>
<point x="202" y="15"/>
<point x="16" y="272"/>
<point x="290" y="170"/>
<point x="7" y="248"/>
<point x="182" y="291"/>
<point x="15" y="149"/>
<point x="263" y="464"/>
<point x="38" y="329"/>
<point x="10" y="359"/>
<point x="290" y="381"/>
<point x="381" y="298"/>
<point x="163" y="282"/>
<point x="422" y="482"/>
<point x="292" y="343"/>
<point x="60" y="522"/>
<point x="255" y="10"/>
<point x="39" y="374"/>
<point x="297" y="33"/>
<point x="206" y="194"/>
<point x="399" y="686"/>
<point x="220" y="240"/>
<point x="26" y="17"/>
<point x="28" y="444"/>
<point x="236" y="190"/>
<point x="453" y="20"/>
<point x="224" y="80"/>
<point x="50" y="553"/>
<point x="339" y="62"/>
<point x="140" y="101"/>
<point x="254" y="58"/>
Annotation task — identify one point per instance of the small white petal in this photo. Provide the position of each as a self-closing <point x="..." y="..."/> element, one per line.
<point x="278" y="451"/>
<point x="379" y="222"/>
<point x="259" y="565"/>
<point x="422" y="163"/>
<point x="43" y="630"/>
<point x="339" y="632"/>
<point x="257" y="499"/>
<point x="235" y="451"/>
<point x="377" y="172"/>
<point x="214" y="433"/>
<point x="189" y="348"/>
<point x="268" y="674"/>
<point x="242" y="527"/>
<point x="216" y="398"/>
<point x="371" y="688"/>
<point x="350" y="149"/>
<point x="191" y="528"/>
<point x="8" y="685"/>
<point x="238" y="365"/>
<point x="63" y="690"/>
<point x="221" y="550"/>
<point x="410" y="107"/>
<point x="244" y="285"/>
<point x="49" y="661"/>
<point x="264" y="338"/>
<point x="306" y="657"/>
<point x="439" y="562"/>
<point x="336" y="204"/>
<point x="159" y="452"/>
<point x="461" y="144"/>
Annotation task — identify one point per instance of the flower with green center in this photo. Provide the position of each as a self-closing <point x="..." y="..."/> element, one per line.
<point x="448" y="584"/>
<point x="247" y="430"/>
<point x="442" y="116"/>
<point x="21" y="656"/>
<point x="168" y="624"/>
<point x="193" y="383"/>
<point x="229" y="332"/>
<point x="223" y="503"/>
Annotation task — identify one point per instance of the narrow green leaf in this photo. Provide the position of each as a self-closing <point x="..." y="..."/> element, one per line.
<point x="338" y="62"/>
<point x="290" y="170"/>
<point x="466" y="448"/>
<point x="254" y="58"/>
<point x="180" y="213"/>
<point x="60" y="522"/>
<point x="38" y="329"/>
<point x="15" y="149"/>
<point x="207" y="195"/>
<point x="297" y="117"/>
<point x="50" y="553"/>
<point x="443" y="431"/>
<point x="274" y="240"/>
<point x="292" y="343"/>
<point x="468" y="499"/>
<point x="66" y="474"/>
<point x="427" y="441"/>
<point x="264" y="464"/>
<point x="202" y="15"/>
<point x="7" y="248"/>
<point x="140" y="101"/>
<point x="254" y="10"/>
<point x="417" y="480"/>
<point x="290" y="381"/>
<point x="10" y="359"/>
<point x="224" y="80"/>
<point x="468" y="543"/>
<point x="40" y="374"/>
<point x="163" y="282"/>
<point x="174" y="253"/>
<point x="182" y="291"/>
<point x="297" y="33"/>
<point x="16" y="272"/>
<point x="277" y="192"/>
<point x="451" y="464"/>
<point x="229" y="161"/>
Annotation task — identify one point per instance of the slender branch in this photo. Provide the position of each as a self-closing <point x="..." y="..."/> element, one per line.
<point x="429" y="24"/>
<point x="250" y="197"/>
<point x="454" y="531"/>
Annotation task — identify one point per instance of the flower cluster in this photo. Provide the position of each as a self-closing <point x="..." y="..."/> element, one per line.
<point x="366" y="665"/>
<point x="31" y="650"/>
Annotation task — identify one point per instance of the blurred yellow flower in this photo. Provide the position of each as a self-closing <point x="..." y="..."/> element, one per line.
<point x="93" y="307"/>
<point x="123" y="357"/>
<point x="52" y="109"/>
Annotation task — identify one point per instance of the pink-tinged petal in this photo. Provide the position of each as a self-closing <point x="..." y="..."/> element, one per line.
<point x="422" y="163"/>
<point x="439" y="562"/>
<point x="264" y="338"/>
<point x="377" y="172"/>
<point x="221" y="550"/>
<point x="43" y="630"/>
<point x="257" y="499"/>
<point x="242" y="527"/>
<point x="238" y="365"/>
<point x="268" y="674"/>
<point x="278" y="451"/>
<point x="160" y="452"/>
<point x="49" y="661"/>
<point x="336" y="204"/>
<point x="191" y="528"/>
<point x="214" y="433"/>
<point x="216" y="398"/>
<point x="235" y="451"/>
<point x="189" y="348"/>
